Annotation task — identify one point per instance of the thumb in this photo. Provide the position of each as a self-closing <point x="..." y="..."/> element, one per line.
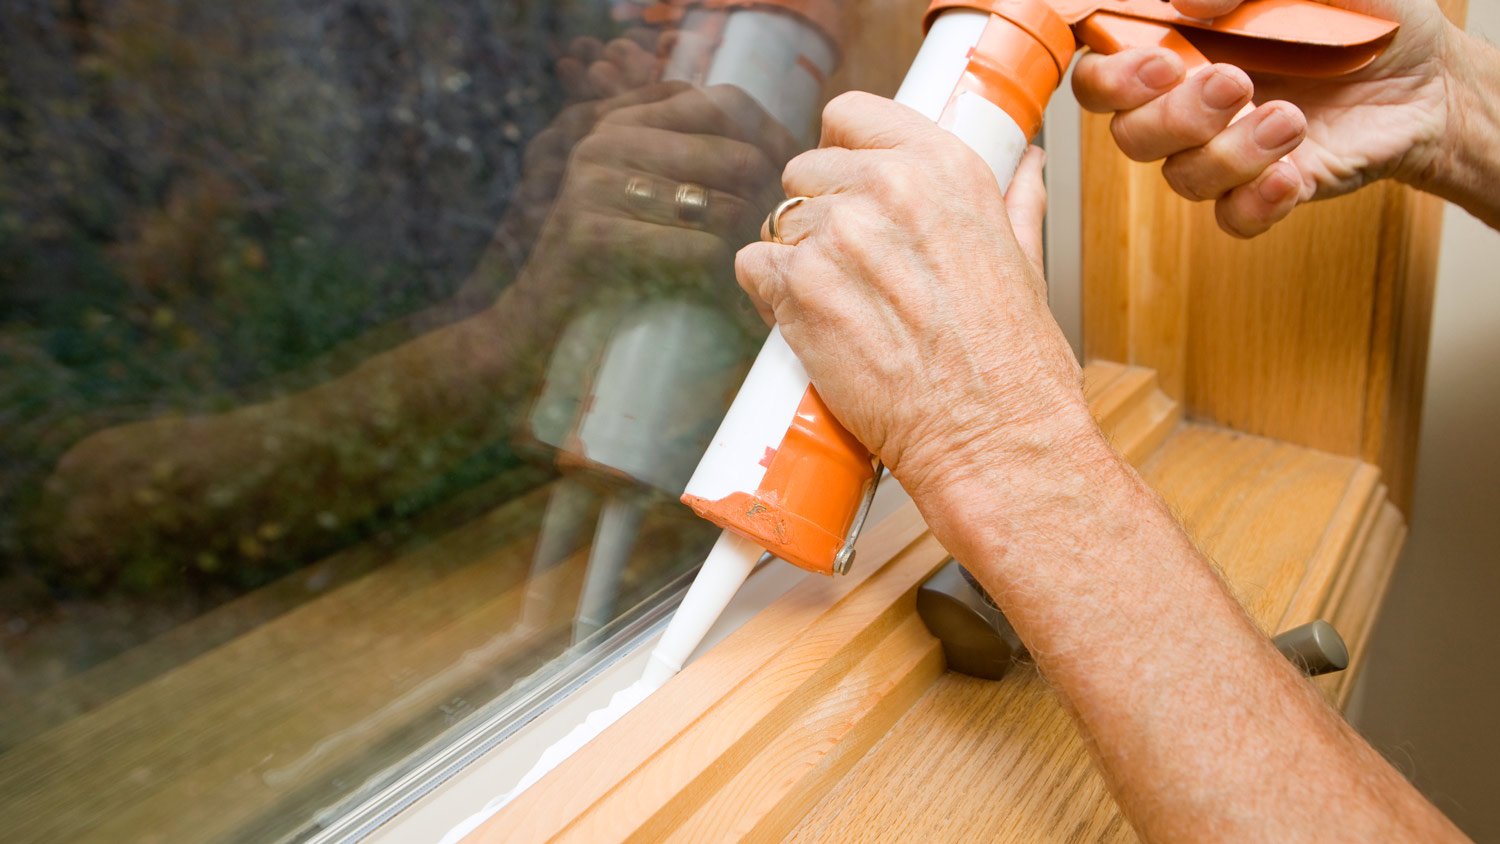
<point x="1026" y="203"/>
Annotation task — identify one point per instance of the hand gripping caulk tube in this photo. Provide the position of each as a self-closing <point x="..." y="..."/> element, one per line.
<point x="781" y="472"/>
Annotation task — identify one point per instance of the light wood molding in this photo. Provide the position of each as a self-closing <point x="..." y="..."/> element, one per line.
<point x="1315" y="333"/>
<point x="827" y="716"/>
<point x="356" y="677"/>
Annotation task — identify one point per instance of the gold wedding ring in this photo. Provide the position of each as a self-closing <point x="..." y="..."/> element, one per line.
<point x="640" y="192"/>
<point x="692" y="205"/>
<point x="773" y="220"/>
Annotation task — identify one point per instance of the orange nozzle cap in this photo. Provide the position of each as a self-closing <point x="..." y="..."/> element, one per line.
<point x="1036" y="18"/>
<point x="814" y="484"/>
<point x="1021" y="56"/>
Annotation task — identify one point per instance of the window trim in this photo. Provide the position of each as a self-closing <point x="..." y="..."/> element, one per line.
<point x="433" y="808"/>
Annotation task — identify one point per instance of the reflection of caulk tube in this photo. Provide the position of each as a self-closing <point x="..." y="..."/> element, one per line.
<point x="550" y="423"/>
<point x="650" y="410"/>
<point x="656" y="359"/>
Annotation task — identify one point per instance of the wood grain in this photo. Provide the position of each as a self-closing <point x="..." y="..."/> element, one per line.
<point x="745" y="741"/>
<point x="467" y="532"/>
<point x="258" y="733"/>
<point x="686" y="741"/>
<point x="1315" y="333"/>
<point x="825" y="717"/>
<point x="1002" y="761"/>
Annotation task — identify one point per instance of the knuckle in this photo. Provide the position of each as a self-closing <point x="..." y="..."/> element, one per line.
<point x="897" y="182"/>
<point x="795" y="173"/>
<point x="972" y="167"/>
<point x="593" y="147"/>
<point x="845" y="104"/>
<point x="1233" y="221"/>
<point x="744" y="165"/>
<point x="1180" y="177"/>
<point x="1185" y="122"/>
<point x="840" y="231"/>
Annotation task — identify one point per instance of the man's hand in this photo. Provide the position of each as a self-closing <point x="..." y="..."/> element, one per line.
<point x="904" y="289"/>
<point x="1309" y="139"/>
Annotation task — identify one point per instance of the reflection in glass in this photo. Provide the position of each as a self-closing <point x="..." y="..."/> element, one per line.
<point x="354" y="358"/>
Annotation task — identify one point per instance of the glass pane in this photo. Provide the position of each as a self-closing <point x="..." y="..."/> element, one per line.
<point x="353" y="357"/>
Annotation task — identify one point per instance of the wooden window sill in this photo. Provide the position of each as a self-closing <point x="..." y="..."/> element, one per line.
<point x="829" y="715"/>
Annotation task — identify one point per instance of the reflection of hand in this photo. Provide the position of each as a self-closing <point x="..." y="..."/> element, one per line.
<point x="592" y="70"/>
<point x="620" y="211"/>
<point x="597" y="78"/>
<point x="1388" y="120"/>
<point x="913" y="292"/>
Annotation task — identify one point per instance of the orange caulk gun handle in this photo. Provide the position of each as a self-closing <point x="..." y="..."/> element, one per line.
<point x="1290" y="37"/>
<point x="1106" y="34"/>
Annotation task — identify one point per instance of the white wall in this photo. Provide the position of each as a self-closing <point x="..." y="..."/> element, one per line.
<point x="1430" y="696"/>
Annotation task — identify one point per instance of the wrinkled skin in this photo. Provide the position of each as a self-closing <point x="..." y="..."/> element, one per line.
<point x="913" y="292"/>
<point x="1306" y="140"/>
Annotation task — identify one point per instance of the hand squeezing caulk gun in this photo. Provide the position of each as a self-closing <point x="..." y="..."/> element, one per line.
<point x="1387" y="120"/>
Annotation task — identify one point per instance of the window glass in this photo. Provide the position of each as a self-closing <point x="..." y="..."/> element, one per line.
<point x="352" y="359"/>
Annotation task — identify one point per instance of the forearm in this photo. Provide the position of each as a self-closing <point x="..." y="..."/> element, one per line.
<point x="1203" y="730"/>
<point x="1466" y="171"/>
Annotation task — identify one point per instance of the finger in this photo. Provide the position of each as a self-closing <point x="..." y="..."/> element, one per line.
<point x="585" y="48"/>
<point x="647" y="38"/>
<point x="796" y="222"/>
<point x="1185" y="117"/>
<point x="857" y="120"/>
<point x="607" y="78"/>
<point x="717" y="110"/>
<point x="636" y="97"/>
<point x="1026" y="204"/>
<point x="1251" y="209"/>
<point x="637" y="67"/>
<point x="1238" y="154"/>
<point x="821" y="172"/>
<point x="1125" y="80"/>
<point x="572" y="75"/>
<point x="762" y="270"/>
<point x="719" y="163"/>
<point x="616" y="246"/>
